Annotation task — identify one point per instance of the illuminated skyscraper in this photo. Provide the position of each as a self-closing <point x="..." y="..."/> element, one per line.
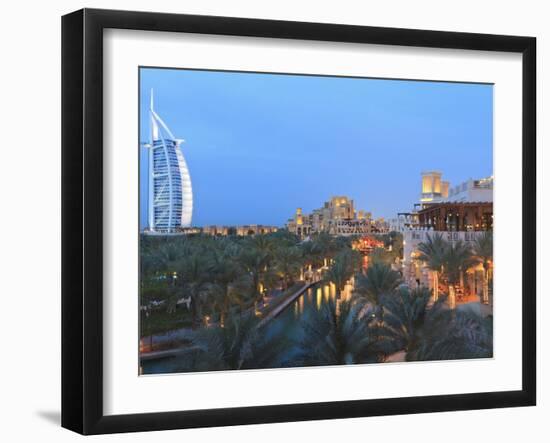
<point x="170" y="199"/>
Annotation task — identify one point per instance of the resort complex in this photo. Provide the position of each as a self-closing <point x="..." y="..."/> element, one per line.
<point x="326" y="283"/>
<point x="337" y="217"/>
<point x="418" y="287"/>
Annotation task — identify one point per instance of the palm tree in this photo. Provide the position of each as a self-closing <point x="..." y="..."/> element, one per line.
<point x="288" y="263"/>
<point x="158" y="257"/>
<point x="311" y="253"/>
<point x="456" y="260"/>
<point x="341" y="270"/>
<point x="381" y="255"/>
<point x="255" y="262"/>
<point x="326" y="245"/>
<point x="428" y="331"/>
<point x="483" y="252"/>
<point x="154" y="294"/>
<point x="409" y="316"/>
<point x="370" y="286"/>
<point x="194" y="271"/>
<point x="396" y="243"/>
<point x="238" y="345"/>
<point x="432" y="253"/>
<point x="283" y="238"/>
<point x="453" y="335"/>
<point x="226" y="271"/>
<point x="262" y="243"/>
<point x="336" y="336"/>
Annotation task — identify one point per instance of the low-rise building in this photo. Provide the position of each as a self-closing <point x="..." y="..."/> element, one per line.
<point x="471" y="190"/>
<point x="404" y="221"/>
<point x="349" y="227"/>
<point x="417" y="273"/>
<point x="457" y="216"/>
<point x="255" y="229"/>
<point x="458" y="213"/>
<point x="242" y="230"/>
<point x="466" y="206"/>
<point x="380" y="226"/>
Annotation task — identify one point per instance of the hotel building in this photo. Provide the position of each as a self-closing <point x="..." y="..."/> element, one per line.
<point x="170" y="196"/>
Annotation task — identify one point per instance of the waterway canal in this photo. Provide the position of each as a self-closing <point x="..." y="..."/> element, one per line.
<point x="288" y="321"/>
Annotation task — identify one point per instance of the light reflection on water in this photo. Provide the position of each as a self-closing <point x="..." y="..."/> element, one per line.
<point x="288" y="321"/>
<point x="313" y="299"/>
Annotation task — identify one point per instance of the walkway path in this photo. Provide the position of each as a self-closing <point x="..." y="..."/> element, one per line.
<point x="285" y="303"/>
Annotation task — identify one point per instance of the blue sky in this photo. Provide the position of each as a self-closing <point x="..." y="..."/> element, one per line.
<point x="260" y="145"/>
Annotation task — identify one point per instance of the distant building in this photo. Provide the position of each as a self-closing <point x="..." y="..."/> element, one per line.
<point x="341" y="208"/>
<point x="336" y="217"/>
<point x="222" y="231"/>
<point x="216" y="230"/>
<point x="380" y="226"/>
<point x="299" y="224"/>
<point x="364" y="215"/>
<point x="255" y="229"/>
<point x="349" y="227"/>
<point x="170" y="197"/>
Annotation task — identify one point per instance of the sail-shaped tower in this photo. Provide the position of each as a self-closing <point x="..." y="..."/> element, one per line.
<point x="170" y="199"/>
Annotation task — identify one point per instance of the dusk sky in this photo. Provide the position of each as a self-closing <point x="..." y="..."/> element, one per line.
<point x="260" y="145"/>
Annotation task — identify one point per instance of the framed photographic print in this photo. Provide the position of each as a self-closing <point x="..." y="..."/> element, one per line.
<point x="269" y="221"/>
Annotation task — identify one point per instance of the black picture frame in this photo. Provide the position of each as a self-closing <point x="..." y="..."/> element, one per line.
<point x="82" y="215"/>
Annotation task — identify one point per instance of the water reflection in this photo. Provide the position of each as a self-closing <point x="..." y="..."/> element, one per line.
<point x="289" y="321"/>
<point x="313" y="299"/>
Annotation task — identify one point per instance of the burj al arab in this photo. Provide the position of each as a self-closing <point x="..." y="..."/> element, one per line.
<point x="170" y="196"/>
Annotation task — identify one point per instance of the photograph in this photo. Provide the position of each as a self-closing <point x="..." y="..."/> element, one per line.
<point x="293" y="220"/>
<point x="268" y="222"/>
